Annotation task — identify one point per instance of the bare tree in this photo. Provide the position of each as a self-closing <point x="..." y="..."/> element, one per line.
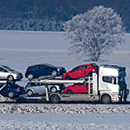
<point x="94" y="33"/>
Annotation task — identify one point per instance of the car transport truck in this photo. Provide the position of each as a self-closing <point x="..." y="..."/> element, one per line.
<point x="108" y="86"/>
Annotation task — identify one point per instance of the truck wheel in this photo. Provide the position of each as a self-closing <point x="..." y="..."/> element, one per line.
<point x="106" y="99"/>
<point x="54" y="98"/>
<point x="69" y="91"/>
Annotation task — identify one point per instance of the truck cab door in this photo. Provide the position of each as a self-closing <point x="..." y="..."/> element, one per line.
<point x="109" y="83"/>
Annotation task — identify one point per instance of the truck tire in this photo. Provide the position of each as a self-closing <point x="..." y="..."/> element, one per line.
<point x="54" y="98"/>
<point x="106" y="99"/>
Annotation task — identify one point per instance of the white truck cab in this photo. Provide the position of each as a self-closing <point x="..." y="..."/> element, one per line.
<point x="112" y="82"/>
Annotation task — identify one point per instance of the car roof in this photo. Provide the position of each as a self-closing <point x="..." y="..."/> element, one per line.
<point x="42" y="64"/>
<point x="85" y="64"/>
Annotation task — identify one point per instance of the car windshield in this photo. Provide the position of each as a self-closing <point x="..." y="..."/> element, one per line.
<point x="50" y="65"/>
<point x="8" y="68"/>
<point x="94" y="65"/>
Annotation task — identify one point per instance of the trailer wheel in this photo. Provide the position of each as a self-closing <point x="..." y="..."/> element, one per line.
<point x="54" y="98"/>
<point x="106" y="99"/>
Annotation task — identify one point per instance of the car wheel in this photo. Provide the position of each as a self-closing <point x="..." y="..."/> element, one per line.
<point x="30" y="77"/>
<point x="10" y="78"/>
<point x="90" y="74"/>
<point x="54" y="73"/>
<point x="53" y="89"/>
<point x="54" y="98"/>
<point x="67" y="77"/>
<point x="106" y="99"/>
<point x="10" y="94"/>
<point x="69" y="91"/>
<point x="29" y="93"/>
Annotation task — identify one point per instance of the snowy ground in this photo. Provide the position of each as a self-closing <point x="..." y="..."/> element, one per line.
<point x="64" y="121"/>
<point x="21" y="49"/>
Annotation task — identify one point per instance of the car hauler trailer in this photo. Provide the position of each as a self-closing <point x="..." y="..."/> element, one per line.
<point x="107" y="86"/>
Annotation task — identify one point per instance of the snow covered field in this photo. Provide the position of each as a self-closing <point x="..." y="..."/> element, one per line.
<point x="21" y="49"/>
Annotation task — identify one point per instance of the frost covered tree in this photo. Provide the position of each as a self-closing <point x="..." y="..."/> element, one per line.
<point x="94" y="33"/>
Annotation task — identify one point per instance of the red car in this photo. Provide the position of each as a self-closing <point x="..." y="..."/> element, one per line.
<point x="81" y="71"/>
<point x="76" y="88"/>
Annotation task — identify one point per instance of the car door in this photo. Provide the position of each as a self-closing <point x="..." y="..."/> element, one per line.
<point x="80" y="88"/>
<point x="39" y="88"/>
<point x="35" y="71"/>
<point x="43" y="70"/>
<point x="76" y="72"/>
<point x="84" y="70"/>
<point x="3" y="73"/>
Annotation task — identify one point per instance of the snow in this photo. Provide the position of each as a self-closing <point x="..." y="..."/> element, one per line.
<point x="64" y="121"/>
<point x="19" y="49"/>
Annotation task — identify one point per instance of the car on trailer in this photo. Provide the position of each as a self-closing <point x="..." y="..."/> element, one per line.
<point x="9" y="74"/>
<point x="34" y="88"/>
<point x="76" y="88"/>
<point x="11" y="90"/>
<point x="36" y="71"/>
<point x="81" y="71"/>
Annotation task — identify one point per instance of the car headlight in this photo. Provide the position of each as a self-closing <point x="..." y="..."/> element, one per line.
<point x="58" y="70"/>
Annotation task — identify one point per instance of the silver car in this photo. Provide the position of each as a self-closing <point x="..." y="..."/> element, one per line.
<point x="32" y="89"/>
<point x="9" y="74"/>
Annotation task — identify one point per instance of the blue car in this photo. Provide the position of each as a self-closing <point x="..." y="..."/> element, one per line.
<point x="40" y="70"/>
<point x="11" y="90"/>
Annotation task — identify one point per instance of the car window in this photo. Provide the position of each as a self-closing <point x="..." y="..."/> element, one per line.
<point x="3" y="70"/>
<point x="37" y="84"/>
<point x="42" y="67"/>
<point x="94" y="65"/>
<point x="8" y="68"/>
<point x="75" y="69"/>
<point x="85" y="66"/>
<point x="34" y="68"/>
<point x="1" y="85"/>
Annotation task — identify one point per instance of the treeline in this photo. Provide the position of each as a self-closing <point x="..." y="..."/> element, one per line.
<point x="49" y="14"/>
